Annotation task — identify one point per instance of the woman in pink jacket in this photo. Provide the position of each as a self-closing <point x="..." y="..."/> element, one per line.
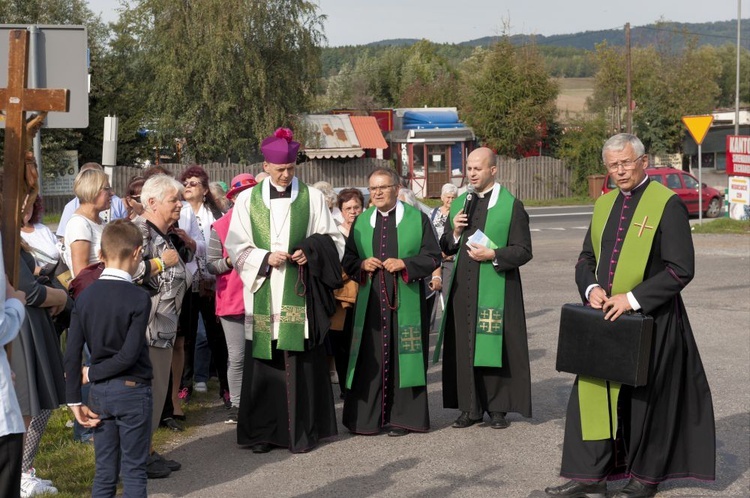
<point x="230" y="307"/>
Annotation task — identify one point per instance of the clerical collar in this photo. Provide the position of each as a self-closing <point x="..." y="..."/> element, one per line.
<point x="486" y="191"/>
<point x="387" y="213"/>
<point x="635" y="189"/>
<point x="277" y="192"/>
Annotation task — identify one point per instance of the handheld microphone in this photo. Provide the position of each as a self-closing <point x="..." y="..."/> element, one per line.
<point x="470" y="189"/>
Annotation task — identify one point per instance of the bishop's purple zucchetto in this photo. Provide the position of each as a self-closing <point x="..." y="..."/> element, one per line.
<point x="279" y="148"/>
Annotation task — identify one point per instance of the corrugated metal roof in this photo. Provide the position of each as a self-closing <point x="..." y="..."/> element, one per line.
<point x="368" y="132"/>
<point x="331" y="136"/>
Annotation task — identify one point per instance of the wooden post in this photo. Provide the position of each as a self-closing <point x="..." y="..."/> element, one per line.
<point x="16" y="100"/>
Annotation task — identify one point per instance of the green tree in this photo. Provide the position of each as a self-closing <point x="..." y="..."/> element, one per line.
<point x="580" y="147"/>
<point x="727" y="55"/>
<point x="508" y="97"/>
<point x="225" y="74"/>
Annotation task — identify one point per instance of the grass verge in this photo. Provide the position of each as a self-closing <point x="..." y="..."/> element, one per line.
<point x="723" y="225"/>
<point x="70" y="465"/>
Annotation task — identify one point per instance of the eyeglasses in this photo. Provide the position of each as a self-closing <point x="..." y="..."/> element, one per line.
<point x="191" y="183"/>
<point x="382" y="188"/>
<point x="136" y="198"/>
<point x="626" y="164"/>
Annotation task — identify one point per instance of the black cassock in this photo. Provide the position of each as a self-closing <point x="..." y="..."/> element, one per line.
<point x="666" y="428"/>
<point x="375" y="400"/>
<point x="482" y="389"/>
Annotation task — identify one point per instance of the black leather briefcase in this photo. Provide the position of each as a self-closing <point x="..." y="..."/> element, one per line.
<point x="618" y="351"/>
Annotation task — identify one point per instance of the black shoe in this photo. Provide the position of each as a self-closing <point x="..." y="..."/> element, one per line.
<point x="498" y="420"/>
<point x="463" y="421"/>
<point x="577" y="489"/>
<point x="171" y="423"/>
<point x="637" y="489"/>
<point x="156" y="469"/>
<point x="170" y="464"/>
<point x="261" y="448"/>
<point x="181" y="418"/>
<point x="398" y="432"/>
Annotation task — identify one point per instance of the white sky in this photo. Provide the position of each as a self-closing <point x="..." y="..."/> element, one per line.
<point x="355" y="22"/>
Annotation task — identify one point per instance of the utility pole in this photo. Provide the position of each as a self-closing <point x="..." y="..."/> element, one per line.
<point x="737" y="75"/>
<point x="628" y="95"/>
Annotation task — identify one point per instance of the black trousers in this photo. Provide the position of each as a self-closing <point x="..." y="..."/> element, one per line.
<point x="193" y="304"/>
<point x="11" y="453"/>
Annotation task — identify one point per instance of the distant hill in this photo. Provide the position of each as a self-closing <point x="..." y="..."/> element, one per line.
<point x="707" y="33"/>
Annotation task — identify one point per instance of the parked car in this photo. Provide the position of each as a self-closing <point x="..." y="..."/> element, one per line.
<point x="686" y="187"/>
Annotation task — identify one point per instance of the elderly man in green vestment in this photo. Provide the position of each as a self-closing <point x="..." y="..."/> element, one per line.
<point x="391" y="249"/>
<point x="486" y="353"/>
<point x="638" y="255"/>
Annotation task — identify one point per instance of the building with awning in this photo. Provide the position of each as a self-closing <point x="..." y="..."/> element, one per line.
<point x="329" y="136"/>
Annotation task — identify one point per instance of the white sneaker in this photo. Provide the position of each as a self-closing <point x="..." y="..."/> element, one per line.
<point x="200" y="387"/>
<point x="32" y="473"/>
<point x="31" y="486"/>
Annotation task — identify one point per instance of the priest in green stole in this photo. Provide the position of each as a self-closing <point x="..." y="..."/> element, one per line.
<point x="391" y="249"/>
<point x="483" y="334"/>
<point x="286" y="397"/>
<point x="638" y="255"/>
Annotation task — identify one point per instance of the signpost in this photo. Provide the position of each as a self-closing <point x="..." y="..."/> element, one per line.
<point x="698" y="127"/>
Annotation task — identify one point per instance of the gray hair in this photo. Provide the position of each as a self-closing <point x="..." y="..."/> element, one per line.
<point x="328" y="193"/>
<point x="407" y="195"/>
<point x="158" y="187"/>
<point x="449" y="188"/>
<point x="382" y="170"/>
<point x="620" y="141"/>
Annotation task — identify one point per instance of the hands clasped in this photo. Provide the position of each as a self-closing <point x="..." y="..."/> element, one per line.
<point x="391" y="265"/>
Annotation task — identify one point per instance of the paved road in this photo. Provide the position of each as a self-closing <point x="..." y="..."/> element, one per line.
<point x="516" y="462"/>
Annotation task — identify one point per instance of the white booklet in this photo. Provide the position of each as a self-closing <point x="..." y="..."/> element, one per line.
<point x="481" y="239"/>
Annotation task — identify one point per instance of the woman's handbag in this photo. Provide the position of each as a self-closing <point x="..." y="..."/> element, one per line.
<point x="85" y="277"/>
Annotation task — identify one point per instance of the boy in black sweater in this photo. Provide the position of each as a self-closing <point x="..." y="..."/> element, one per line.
<point x="110" y="316"/>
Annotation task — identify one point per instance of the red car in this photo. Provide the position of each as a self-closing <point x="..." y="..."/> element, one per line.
<point x="686" y="187"/>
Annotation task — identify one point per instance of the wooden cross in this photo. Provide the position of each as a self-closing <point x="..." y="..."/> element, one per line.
<point x="15" y="101"/>
<point x="488" y="322"/>
<point x="643" y="226"/>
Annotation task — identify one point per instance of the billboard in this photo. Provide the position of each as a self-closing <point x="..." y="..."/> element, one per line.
<point x="738" y="155"/>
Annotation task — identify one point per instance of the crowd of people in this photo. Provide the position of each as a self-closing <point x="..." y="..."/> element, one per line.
<point x="296" y="289"/>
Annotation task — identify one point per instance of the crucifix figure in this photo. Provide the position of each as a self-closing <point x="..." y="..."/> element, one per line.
<point x="15" y="101"/>
<point x="643" y="226"/>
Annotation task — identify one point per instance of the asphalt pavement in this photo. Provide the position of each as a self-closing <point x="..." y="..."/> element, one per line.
<point x="525" y="458"/>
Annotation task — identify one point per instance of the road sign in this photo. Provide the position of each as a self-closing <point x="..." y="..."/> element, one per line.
<point x="61" y="58"/>
<point x="698" y="126"/>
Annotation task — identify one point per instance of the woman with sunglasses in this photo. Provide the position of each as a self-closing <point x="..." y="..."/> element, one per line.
<point x="133" y="198"/>
<point x="202" y="297"/>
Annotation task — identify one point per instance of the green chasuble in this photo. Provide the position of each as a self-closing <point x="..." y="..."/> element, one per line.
<point x="488" y="345"/>
<point x="292" y="319"/>
<point x="409" y="319"/>
<point x="598" y="398"/>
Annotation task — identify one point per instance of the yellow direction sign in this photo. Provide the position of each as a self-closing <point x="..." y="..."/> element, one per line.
<point x="698" y="126"/>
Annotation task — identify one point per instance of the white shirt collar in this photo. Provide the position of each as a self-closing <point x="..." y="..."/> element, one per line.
<point x="630" y="192"/>
<point x="116" y="274"/>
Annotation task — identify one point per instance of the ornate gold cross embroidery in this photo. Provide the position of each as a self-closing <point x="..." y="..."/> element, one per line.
<point x="643" y="226"/>
<point x="411" y="339"/>
<point x="292" y="314"/>
<point x="490" y="321"/>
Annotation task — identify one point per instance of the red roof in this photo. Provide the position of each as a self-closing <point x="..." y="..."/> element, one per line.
<point x="368" y="132"/>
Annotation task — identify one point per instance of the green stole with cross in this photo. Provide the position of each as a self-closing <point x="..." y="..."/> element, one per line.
<point x="409" y="233"/>
<point x="488" y="342"/>
<point x="597" y="398"/>
<point x="292" y="319"/>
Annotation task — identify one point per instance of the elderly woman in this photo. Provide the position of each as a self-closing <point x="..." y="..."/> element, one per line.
<point x="350" y="203"/>
<point x="163" y="274"/>
<point x="439" y="219"/>
<point x="201" y="298"/>
<point x="331" y="199"/>
<point x="83" y="232"/>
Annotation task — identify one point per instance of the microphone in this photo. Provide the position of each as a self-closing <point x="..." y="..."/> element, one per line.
<point x="469" y="198"/>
